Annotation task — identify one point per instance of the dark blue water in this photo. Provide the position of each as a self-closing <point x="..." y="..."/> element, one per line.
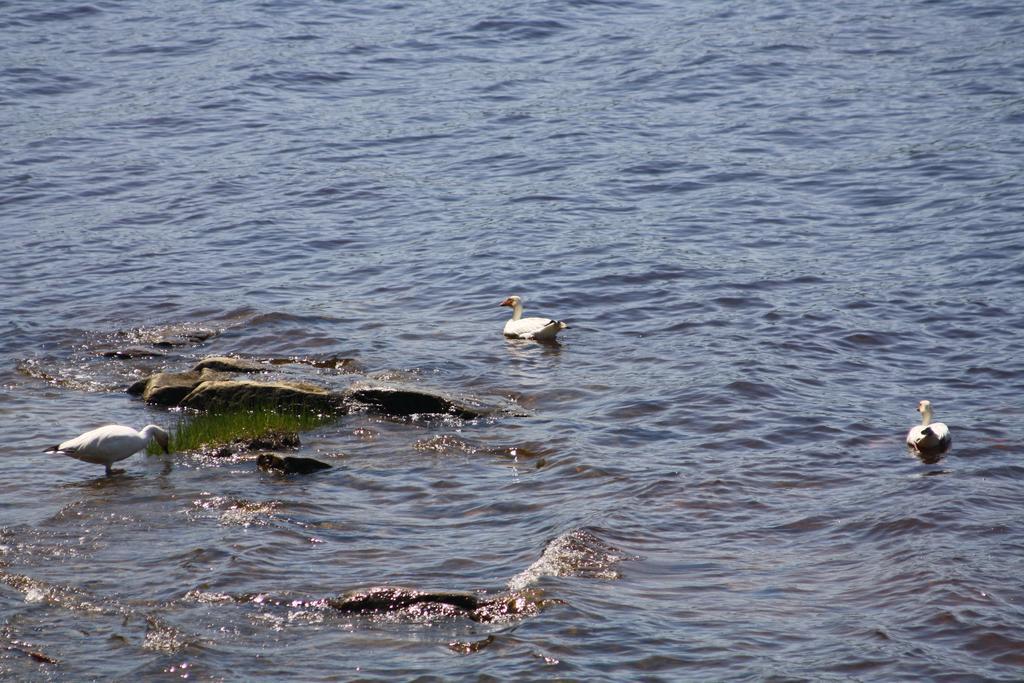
<point x="773" y="227"/>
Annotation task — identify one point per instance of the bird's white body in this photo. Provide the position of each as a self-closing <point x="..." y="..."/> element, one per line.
<point x="109" y="444"/>
<point x="928" y="437"/>
<point x="518" y="327"/>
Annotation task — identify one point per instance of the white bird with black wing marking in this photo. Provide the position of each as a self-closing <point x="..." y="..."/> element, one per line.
<point x="518" y="327"/>
<point x="106" y="445"/>
<point x="928" y="437"/>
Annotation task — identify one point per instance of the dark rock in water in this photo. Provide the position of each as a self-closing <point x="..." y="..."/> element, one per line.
<point x="242" y="395"/>
<point x="228" y="364"/>
<point x="405" y="401"/>
<point x="290" y="464"/>
<point x="169" y="388"/>
<point x="132" y="353"/>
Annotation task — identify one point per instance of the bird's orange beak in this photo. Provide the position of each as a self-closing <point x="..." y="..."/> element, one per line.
<point x="506" y="302"/>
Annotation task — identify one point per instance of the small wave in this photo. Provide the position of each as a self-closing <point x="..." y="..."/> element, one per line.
<point x="238" y="511"/>
<point x="162" y="637"/>
<point x="575" y="553"/>
<point x="66" y="14"/>
<point x="519" y="29"/>
<point x="159" y="636"/>
<point x="301" y="79"/>
<point x="753" y="389"/>
<point x="890" y="528"/>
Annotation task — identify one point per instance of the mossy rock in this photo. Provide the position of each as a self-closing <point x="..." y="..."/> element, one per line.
<point x="169" y="388"/>
<point x="243" y="395"/>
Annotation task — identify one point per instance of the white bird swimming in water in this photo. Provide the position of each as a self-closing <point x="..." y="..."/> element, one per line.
<point x="928" y="437"/>
<point x="518" y="327"/>
<point x="106" y="445"/>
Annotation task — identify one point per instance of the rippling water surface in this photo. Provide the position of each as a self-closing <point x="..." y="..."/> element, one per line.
<point x="773" y="227"/>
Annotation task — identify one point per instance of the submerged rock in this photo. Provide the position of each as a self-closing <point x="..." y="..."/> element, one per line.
<point x="387" y="599"/>
<point x="467" y="647"/>
<point x="228" y="364"/>
<point x="268" y="441"/>
<point x="132" y="353"/>
<point x="243" y="395"/>
<point x="321" y="362"/>
<point x="184" y="337"/>
<point x="290" y="464"/>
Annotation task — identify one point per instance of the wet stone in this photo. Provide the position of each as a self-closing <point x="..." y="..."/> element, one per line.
<point x="290" y="464"/>
<point x="406" y="401"/>
<point x="228" y="364"/>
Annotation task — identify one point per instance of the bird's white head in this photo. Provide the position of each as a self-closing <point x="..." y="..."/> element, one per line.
<point x="160" y="434"/>
<point x="512" y="301"/>
<point x="517" y="306"/>
<point x="925" y="408"/>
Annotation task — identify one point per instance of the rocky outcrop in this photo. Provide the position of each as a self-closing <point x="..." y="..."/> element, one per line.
<point x="289" y="464"/>
<point x="241" y="394"/>
<point x="211" y="385"/>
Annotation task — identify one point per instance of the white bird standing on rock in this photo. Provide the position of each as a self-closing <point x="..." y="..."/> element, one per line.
<point x="928" y="437"/>
<point x="106" y="445"/>
<point x="541" y="329"/>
